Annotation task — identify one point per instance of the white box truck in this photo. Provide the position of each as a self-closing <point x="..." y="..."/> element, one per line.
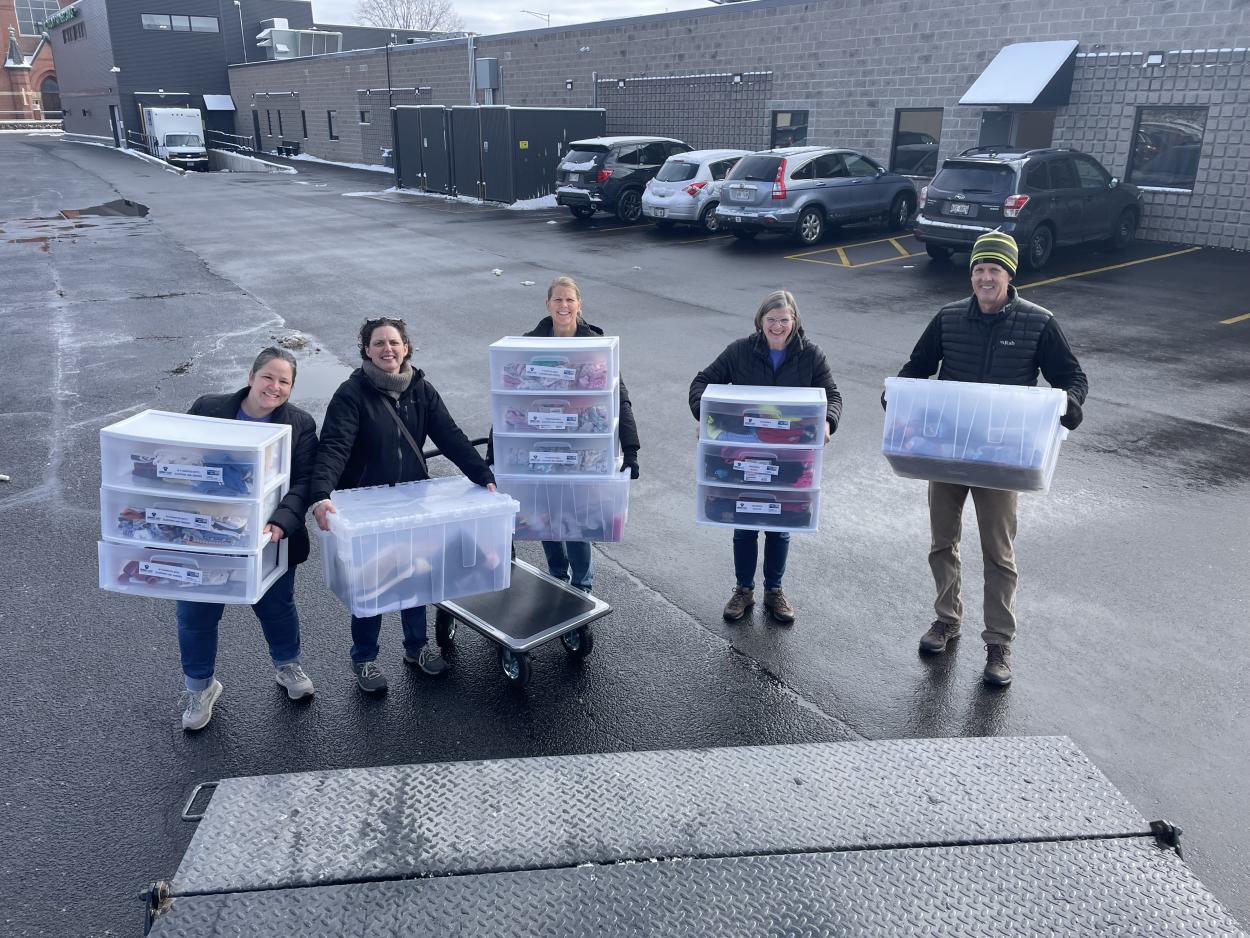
<point x="176" y="135"/>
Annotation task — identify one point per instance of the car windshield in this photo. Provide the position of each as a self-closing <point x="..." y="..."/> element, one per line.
<point x="677" y="171"/>
<point x="976" y="180"/>
<point x="183" y="140"/>
<point x="757" y="167"/>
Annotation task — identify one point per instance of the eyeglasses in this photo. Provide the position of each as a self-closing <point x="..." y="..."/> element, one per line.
<point x="778" y="322"/>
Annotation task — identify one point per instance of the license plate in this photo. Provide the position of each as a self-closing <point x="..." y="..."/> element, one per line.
<point x="741" y="195"/>
<point x="658" y="212"/>
<point x="573" y="177"/>
<point x="958" y="208"/>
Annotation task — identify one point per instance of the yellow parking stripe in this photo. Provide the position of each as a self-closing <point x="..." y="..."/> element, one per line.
<point x="1102" y="270"/>
<point x="841" y="247"/>
<point x="621" y="228"/>
<point x="1242" y="318"/>
<point x="898" y="247"/>
<point x="884" y="260"/>
<point x="842" y="257"/>
<point x="703" y="240"/>
<point x="812" y="260"/>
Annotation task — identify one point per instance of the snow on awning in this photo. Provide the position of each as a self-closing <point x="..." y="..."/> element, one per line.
<point x="1027" y="73"/>
<point x="218" y="102"/>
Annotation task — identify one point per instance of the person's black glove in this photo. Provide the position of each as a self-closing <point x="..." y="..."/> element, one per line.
<point x="631" y="463"/>
<point x="1074" y="415"/>
<point x="883" y="400"/>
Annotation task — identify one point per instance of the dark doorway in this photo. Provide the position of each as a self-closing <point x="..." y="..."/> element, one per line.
<point x="50" y="93"/>
<point x="115" y="121"/>
<point x="255" y="131"/>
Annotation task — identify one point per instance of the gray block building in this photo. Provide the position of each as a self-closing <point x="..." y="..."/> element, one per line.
<point x="1157" y="90"/>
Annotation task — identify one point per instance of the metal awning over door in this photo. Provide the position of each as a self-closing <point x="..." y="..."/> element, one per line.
<point x="1027" y="74"/>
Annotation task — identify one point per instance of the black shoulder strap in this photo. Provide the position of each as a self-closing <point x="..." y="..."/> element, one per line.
<point x="393" y="410"/>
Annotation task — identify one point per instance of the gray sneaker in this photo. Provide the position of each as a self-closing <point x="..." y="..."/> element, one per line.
<point x="429" y="660"/>
<point x="200" y="706"/>
<point x="369" y="676"/>
<point x="997" y="665"/>
<point x="934" y="641"/>
<point x="292" y="677"/>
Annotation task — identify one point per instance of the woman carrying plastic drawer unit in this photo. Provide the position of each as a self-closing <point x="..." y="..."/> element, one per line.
<point x="777" y="354"/>
<point x="572" y="561"/>
<point x="373" y="432"/>
<point x="266" y="398"/>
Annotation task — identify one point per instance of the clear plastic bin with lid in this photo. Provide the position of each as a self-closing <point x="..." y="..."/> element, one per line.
<point x="401" y="546"/>
<point x="987" y="435"/>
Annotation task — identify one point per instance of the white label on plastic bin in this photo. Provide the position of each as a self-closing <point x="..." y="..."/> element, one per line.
<point x="551" y="371"/>
<point x="756" y="477"/>
<point x="167" y="572"/>
<point x="552" y="459"/>
<point x="180" y="519"/>
<point x="546" y="420"/>
<point x="756" y="468"/>
<point x="768" y="423"/>
<point x="168" y="470"/>
<point x="759" y="508"/>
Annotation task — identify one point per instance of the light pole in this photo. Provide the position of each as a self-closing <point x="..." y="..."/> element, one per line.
<point x="242" y="35"/>
<point x="541" y="16"/>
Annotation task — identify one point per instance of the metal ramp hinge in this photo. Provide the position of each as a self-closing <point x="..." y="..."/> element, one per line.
<point x="1167" y="834"/>
<point x="155" y="902"/>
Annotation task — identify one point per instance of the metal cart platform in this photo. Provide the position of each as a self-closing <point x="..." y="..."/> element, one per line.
<point x="970" y="837"/>
<point x="534" y="609"/>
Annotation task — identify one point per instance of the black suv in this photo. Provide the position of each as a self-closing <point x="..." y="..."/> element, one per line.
<point x="1042" y="198"/>
<point x="609" y="173"/>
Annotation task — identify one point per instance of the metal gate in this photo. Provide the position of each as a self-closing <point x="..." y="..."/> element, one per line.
<point x="540" y="137"/>
<point x="466" y="147"/>
<point x="497" y="184"/>
<point x="435" y="148"/>
<point x="408" y="169"/>
<point x="706" y="111"/>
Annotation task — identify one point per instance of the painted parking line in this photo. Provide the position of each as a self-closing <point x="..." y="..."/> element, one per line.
<point x="621" y="228"/>
<point x="1236" y="319"/>
<point x="1103" y="270"/>
<point x="703" y="240"/>
<point x="844" y="260"/>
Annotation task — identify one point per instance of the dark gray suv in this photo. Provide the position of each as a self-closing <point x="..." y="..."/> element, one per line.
<point x="609" y="173"/>
<point x="1042" y="198"/>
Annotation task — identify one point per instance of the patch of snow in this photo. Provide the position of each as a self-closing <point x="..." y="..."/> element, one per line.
<point x="578" y="167"/>
<point x="372" y="167"/>
<point x="530" y="205"/>
<point x="497" y="272"/>
<point x="32" y="132"/>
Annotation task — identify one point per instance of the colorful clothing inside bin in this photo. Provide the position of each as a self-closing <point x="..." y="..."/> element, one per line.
<point x="753" y="467"/>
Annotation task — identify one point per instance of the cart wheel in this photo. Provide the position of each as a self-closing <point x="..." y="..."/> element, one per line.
<point x="579" y="642"/>
<point x="444" y="628"/>
<point x="515" y="666"/>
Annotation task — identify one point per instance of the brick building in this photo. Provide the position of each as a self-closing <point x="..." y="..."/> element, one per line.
<point x="1157" y="90"/>
<point x="28" y="83"/>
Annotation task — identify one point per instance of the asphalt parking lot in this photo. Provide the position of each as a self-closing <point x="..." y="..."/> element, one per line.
<point x="1133" y="600"/>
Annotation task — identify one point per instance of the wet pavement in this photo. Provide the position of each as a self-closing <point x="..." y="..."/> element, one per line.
<point x="1133" y="600"/>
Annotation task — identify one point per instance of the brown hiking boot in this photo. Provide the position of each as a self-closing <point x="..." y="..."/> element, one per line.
<point x="742" y="600"/>
<point x="997" y="665"/>
<point x="934" y="641"/>
<point x="776" y="603"/>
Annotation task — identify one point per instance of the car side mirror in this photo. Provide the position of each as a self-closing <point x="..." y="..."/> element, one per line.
<point x="1115" y="181"/>
<point x="881" y="170"/>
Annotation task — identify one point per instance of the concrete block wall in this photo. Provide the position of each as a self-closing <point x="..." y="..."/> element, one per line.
<point x="849" y="63"/>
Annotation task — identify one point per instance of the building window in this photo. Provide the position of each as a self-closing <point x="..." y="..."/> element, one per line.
<point x="204" y="24"/>
<point x="364" y="115"/>
<point x="156" y="21"/>
<point x="1167" y="144"/>
<point x="74" y="33"/>
<point x="789" y="128"/>
<point x="181" y="24"/>
<point x="268" y="122"/>
<point x="32" y="13"/>
<point x="281" y="132"/>
<point x="330" y="115"/>
<point x="303" y="121"/>
<point x="917" y="132"/>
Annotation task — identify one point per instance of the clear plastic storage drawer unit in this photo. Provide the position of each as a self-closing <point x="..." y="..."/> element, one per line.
<point x="203" y="522"/>
<point x="195" y="576"/>
<point x="763" y="509"/>
<point x="569" y="508"/>
<point x="988" y="435"/>
<point x="396" y="547"/>
<point x="531" y="363"/>
<point x="179" y="453"/>
<point x="567" y="412"/>
<point x="733" y="413"/>
<point x="777" y="466"/>
<point x="566" y="455"/>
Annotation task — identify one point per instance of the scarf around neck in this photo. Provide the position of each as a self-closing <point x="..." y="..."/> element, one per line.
<point x="390" y="385"/>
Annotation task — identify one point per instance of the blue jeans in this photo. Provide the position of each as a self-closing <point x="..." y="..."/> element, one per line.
<point x="746" y="552"/>
<point x="575" y="555"/>
<point x="197" y="631"/>
<point x="365" y="634"/>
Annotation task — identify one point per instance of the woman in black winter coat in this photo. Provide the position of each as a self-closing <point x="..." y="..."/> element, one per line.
<point x="572" y="561"/>
<point x="778" y="354"/>
<point x="362" y="445"/>
<point x="265" y="399"/>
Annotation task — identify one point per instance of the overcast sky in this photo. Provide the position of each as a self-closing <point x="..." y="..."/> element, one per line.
<point x="501" y="16"/>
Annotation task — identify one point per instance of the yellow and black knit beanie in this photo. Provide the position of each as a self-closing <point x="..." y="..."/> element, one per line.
<point x="997" y="247"/>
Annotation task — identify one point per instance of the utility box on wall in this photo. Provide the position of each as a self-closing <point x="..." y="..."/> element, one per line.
<point x="487" y="74"/>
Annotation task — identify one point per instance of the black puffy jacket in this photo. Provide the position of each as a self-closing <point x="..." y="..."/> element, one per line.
<point x="746" y="361"/>
<point x="1010" y="347"/>
<point x="289" y="515"/>
<point x="362" y="445"/>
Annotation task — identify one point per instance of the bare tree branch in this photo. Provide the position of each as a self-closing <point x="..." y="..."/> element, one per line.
<point x="434" y="15"/>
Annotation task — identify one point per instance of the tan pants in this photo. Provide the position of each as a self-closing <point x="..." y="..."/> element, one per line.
<point x="996" y="521"/>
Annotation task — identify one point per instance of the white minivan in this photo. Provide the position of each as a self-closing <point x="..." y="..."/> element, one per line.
<point x="687" y="188"/>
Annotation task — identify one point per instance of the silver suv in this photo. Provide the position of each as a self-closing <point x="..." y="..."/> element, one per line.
<point x="803" y="191"/>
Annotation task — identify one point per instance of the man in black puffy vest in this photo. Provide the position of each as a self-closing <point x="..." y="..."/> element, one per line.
<point x="996" y="338"/>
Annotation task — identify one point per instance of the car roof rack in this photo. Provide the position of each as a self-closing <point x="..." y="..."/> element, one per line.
<point x="1012" y="152"/>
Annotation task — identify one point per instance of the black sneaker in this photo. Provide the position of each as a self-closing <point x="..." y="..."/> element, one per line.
<point x="429" y="660"/>
<point x="934" y="641"/>
<point x="369" y="676"/>
<point x="997" y="665"/>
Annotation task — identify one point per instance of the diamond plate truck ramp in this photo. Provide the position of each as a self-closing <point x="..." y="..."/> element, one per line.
<point x="1008" y="836"/>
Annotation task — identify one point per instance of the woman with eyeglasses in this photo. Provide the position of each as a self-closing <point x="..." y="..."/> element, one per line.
<point x="362" y="444"/>
<point x="780" y="355"/>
